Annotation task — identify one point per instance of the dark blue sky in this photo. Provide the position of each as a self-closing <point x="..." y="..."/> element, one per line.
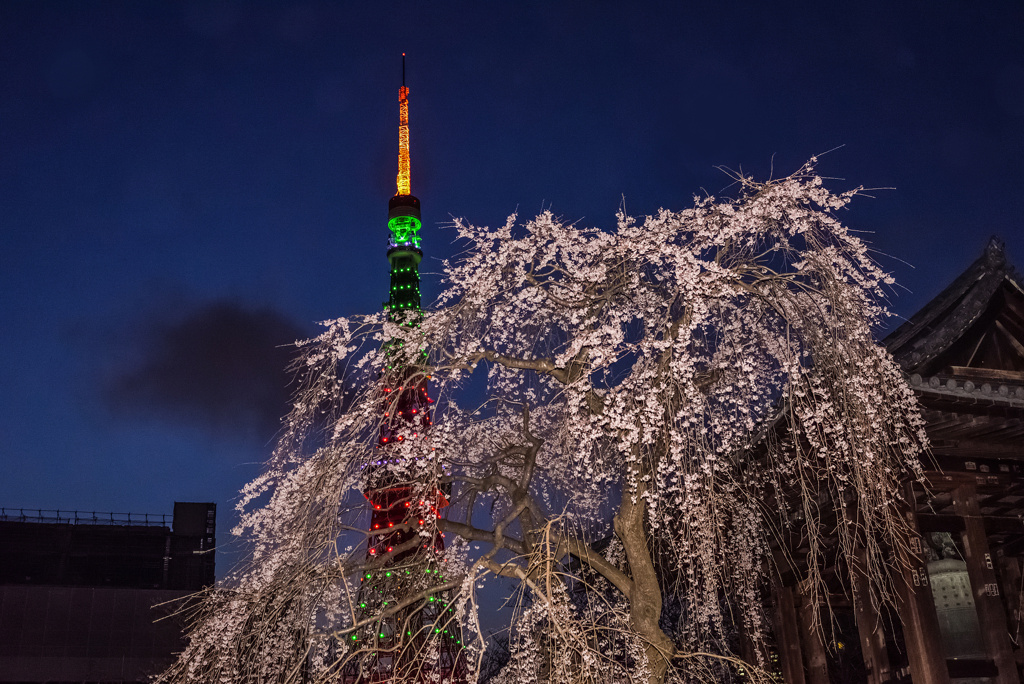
<point x="185" y="185"/>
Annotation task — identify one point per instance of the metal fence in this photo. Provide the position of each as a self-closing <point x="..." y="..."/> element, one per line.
<point x="42" y="515"/>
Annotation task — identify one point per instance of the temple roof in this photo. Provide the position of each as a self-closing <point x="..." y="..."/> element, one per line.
<point x="974" y="328"/>
<point x="964" y="353"/>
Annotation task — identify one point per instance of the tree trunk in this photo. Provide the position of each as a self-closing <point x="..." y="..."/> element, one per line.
<point x="645" y="597"/>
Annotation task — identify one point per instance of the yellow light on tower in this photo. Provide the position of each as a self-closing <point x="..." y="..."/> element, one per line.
<point x="404" y="186"/>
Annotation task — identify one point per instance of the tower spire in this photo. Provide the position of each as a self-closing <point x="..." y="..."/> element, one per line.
<point x="404" y="187"/>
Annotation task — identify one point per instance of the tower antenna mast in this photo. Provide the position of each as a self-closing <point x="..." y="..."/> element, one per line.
<point x="404" y="186"/>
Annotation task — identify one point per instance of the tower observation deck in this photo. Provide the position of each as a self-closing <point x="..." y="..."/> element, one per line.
<point x="413" y="635"/>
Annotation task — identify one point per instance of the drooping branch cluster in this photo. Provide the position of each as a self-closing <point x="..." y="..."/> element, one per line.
<point x="698" y="386"/>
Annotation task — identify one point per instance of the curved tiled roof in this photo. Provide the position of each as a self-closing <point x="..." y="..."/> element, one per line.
<point x="919" y="344"/>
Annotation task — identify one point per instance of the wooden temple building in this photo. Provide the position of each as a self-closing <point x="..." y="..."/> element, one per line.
<point x="958" y="619"/>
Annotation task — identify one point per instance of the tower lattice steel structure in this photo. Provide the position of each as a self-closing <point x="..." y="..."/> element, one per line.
<point x="413" y="635"/>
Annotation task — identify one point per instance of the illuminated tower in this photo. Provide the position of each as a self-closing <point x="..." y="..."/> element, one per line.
<point x="421" y="641"/>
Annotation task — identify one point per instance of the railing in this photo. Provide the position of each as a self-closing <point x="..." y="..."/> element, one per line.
<point x="42" y="515"/>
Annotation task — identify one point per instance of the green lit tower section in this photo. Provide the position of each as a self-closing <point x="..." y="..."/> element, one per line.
<point x="404" y="254"/>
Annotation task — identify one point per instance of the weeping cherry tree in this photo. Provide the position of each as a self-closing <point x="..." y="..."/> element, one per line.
<point x="626" y="417"/>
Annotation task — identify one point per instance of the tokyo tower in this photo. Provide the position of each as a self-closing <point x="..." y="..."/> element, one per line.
<point x="413" y="633"/>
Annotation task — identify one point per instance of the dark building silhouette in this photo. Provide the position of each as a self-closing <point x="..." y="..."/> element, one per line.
<point x="91" y="597"/>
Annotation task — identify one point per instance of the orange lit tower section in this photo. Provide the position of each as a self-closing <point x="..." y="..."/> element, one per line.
<point x="404" y="187"/>
<point x="422" y="641"/>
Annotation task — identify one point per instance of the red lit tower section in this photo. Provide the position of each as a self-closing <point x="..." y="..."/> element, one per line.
<point x="421" y="641"/>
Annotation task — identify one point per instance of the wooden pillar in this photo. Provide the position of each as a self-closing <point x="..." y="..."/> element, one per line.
<point x="869" y="627"/>
<point x="917" y="608"/>
<point x="811" y="633"/>
<point x="981" y="570"/>
<point x="1010" y="583"/>
<point x="787" y="634"/>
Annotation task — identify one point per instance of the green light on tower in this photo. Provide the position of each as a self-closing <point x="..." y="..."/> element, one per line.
<point x="405" y="230"/>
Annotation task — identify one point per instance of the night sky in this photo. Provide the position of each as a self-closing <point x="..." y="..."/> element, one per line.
<point x="186" y="186"/>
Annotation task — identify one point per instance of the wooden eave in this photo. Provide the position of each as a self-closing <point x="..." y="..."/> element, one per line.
<point x="983" y="306"/>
